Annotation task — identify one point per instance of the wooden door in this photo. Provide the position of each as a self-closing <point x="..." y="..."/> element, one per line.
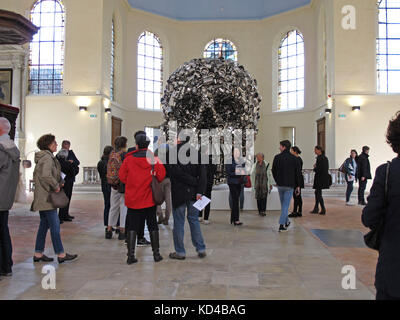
<point x="115" y="129"/>
<point x="321" y="132"/>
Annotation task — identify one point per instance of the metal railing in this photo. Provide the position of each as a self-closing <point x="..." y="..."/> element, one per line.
<point x="91" y="176"/>
<point x="338" y="178"/>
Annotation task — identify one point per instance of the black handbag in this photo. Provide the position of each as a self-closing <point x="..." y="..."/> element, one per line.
<point x="373" y="238"/>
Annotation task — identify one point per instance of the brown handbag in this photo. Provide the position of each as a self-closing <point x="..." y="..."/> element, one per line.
<point x="156" y="188"/>
<point x="58" y="199"/>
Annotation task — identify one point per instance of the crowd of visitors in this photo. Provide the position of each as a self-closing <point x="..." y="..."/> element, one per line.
<point x="129" y="178"/>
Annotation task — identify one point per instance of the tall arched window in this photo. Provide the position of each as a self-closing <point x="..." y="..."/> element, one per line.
<point x="220" y="48"/>
<point x="47" y="48"/>
<point x="150" y="56"/>
<point x="388" y="47"/>
<point x="112" y="54"/>
<point x="291" y="72"/>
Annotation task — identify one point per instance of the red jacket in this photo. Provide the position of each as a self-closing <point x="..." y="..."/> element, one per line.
<point x="135" y="173"/>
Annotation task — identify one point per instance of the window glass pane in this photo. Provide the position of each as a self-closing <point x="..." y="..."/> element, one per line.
<point x="291" y="68"/>
<point x="47" y="48"/>
<point x="394" y="81"/>
<point x="220" y="48"/>
<point x="149" y="57"/>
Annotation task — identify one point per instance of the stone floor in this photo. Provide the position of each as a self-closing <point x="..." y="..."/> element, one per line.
<point x="249" y="262"/>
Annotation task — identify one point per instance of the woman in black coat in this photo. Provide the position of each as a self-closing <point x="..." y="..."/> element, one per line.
<point x="387" y="277"/>
<point x="105" y="187"/>
<point x="297" y="199"/>
<point x="322" y="179"/>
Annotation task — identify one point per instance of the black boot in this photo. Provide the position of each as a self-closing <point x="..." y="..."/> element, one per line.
<point x="131" y="247"/>
<point x="315" y="210"/>
<point x="155" y="245"/>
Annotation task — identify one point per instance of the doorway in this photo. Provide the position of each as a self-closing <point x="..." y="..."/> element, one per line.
<point x="321" y="125"/>
<point x="116" y="129"/>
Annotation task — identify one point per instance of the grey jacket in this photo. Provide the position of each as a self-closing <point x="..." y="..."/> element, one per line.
<point x="47" y="178"/>
<point x="9" y="172"/>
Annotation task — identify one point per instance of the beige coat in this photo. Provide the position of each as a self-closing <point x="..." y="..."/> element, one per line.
<point x="47" y="178"/>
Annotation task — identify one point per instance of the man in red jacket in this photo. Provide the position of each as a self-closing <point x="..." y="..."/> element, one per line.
<point x="136" y="174"/>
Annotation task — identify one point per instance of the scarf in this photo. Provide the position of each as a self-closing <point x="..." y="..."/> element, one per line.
<point x="261" y="181"/>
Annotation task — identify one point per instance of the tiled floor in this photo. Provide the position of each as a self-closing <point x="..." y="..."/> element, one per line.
<point x="249" y="262"/>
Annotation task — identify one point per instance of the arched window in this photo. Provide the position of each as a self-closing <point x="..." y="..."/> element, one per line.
<point x="291" y="72"/>
<point x="220" y="48"/>
<point x="388" y="47"/>
<point x="47" y="48"/>
<point x="112" y="54"/>
<point x="150" y="60"/>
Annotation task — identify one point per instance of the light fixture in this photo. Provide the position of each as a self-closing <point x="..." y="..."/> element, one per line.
<point x="107" y="110"/>
<point x="82" y="108"/>
<point x="328" y="111"/>
<point x="356" y="108"/>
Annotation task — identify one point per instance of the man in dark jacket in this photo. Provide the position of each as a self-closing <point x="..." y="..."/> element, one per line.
<point x="105" y="187"/>
<point x="385" y="208"/>
<point x="363" y="174"/>
<point x="188" y="184"/>
<point x="9" y="176"/>
<point x="287" y="175"/>
<point x="70" y="168"/>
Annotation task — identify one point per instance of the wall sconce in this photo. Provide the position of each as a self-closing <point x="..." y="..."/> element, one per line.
<point x="107" y="110"/>
<point x="328" y="111"/>
<point x="82" y="108"/>
<point x="356" y="108"/>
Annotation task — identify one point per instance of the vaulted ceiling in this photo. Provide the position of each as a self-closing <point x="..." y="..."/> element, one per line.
<point x="217" y="9"/>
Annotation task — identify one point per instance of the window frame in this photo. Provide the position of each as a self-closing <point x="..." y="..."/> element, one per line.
<point x="157" y="40"/>
<point x="280" y="69"/>
<point x="35" y="81"/>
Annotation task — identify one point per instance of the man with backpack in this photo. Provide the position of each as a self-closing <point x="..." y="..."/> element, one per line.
<point x="117" y="199"/>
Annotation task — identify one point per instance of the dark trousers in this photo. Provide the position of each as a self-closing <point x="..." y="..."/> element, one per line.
<point x="383" y="295"/>
<point x="234" y="190"/>
<point x="318" y="199"/>
<point x="262" y="205"/>
<point x="361" y="190"/>
<point x="349" y="190"/>
<point x="241" y="198"/>
<point x="136" y="218"/>
<point x="298" y="202"/>
<point x="5" y="244"/>
<point x="208" y="207"/>
<point x="68" y="186"/>
<point x="106" y="189"/>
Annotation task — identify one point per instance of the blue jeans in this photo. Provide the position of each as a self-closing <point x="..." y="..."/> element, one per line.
<point x="49" y="219"/>
<point x="285" y="195"/>
<point x="179" y="228"/>
<point x="349" y="189"/>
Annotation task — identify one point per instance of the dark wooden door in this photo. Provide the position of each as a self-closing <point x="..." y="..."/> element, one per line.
<point x="321" y="132"/>
<point x="115" y="129"/>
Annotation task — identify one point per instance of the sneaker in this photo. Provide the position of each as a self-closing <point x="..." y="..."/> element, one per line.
<point x="109" y="234"/>
<point x="6" y="274"/>
<point x="282" y="228"/>
<point x="68" y="257"/>
<point x="143" y="242"/>
<point x="43" y="258"/>
<point x="206" y="222"/>
<point x="176" y="256"/>
<point x="121" y="236"/>
<point x="287" y="225"/>
<point x="293" y="215"/>
<point x="202" y="254"/>
<point x="349" y="204"/>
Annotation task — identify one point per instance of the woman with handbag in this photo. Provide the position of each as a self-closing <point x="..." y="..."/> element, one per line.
<point x="382" y="216"/>
<point x="137" y="174"/>
<point x="322" y="179"/>
<point x="48" y="196"/>
<point x="261" y="181"/>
